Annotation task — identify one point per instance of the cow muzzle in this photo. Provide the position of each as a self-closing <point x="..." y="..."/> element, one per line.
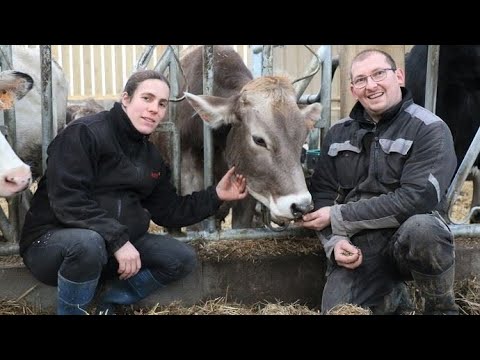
<point x="299" y="210"/>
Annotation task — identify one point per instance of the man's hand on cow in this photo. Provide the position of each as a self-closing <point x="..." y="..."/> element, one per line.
<point x="128" y="258"/>
<point x="317" y="220"/>
<point x="347" y="255"/>
<point x="232" y="186"/>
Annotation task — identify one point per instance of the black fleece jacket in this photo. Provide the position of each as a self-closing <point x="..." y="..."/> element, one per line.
<point x="103" y="175"/>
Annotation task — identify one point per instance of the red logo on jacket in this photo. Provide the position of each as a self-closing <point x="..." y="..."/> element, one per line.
<point x="155" y="174"/>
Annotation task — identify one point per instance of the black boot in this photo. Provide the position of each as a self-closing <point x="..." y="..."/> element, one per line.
<point x="126" y="292"/>
<point x="73" y="297"/>
<point x="438" y="292"/>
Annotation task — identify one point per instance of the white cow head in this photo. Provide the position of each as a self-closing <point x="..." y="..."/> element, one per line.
<point x="15" y="176"/>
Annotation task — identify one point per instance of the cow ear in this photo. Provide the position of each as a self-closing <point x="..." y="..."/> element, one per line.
<point x="13" y="86"/>
<point x="212" y="109"/>
<point x="311" y="114"/>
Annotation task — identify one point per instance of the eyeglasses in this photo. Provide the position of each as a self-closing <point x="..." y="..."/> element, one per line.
<point x="378" y="75"/>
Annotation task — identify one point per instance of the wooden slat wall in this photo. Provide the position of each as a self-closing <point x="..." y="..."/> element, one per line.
<point x="100" y="71"/>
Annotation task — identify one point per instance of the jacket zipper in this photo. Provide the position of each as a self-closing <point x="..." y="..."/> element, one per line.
<point x="119" y="208"/>
<point x="375" y="151"/>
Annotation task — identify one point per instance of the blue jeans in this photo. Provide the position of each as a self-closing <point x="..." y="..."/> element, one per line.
<point x="80" y="255"/>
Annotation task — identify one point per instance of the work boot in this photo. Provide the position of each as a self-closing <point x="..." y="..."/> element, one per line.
<point x="73" y="297"/>
<point x="438" y="292"/>
<point x="397" y="302"/>
<point x="126" y="292"/>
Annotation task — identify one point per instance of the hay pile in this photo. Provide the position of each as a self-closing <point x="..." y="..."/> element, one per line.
<point x="220" y="306"/>
<point x="253" y="250"/>
<point x="467" y="296"/>
<point x="348" y="309"/>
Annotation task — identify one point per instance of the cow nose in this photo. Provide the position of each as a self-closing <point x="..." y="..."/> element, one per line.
<point x="299" y="210"/>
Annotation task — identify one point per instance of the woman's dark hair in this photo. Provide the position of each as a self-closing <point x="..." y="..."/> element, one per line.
<point x="137" y="77"/>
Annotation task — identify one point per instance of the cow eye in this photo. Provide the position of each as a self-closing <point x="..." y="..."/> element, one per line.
<point x="259" y="141"/>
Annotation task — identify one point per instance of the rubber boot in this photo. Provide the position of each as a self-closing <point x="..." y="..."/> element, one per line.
<point x="397" y="302"/>
<point x="438" y="292"/>
<point x="73" y="297"/>
<point x="126" y="292"/>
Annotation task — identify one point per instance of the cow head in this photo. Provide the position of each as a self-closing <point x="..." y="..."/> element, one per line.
<point x="15" y="175"/>
<point x="267" y="121"/>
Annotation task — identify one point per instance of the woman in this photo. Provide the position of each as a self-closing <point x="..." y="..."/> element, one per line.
<point x="103" y="184"/>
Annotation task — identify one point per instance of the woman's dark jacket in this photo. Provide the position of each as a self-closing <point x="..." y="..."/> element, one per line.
<point x="103" y="175"/>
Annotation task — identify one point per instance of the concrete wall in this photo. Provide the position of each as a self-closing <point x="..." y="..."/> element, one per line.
<point x="292" y="278"/>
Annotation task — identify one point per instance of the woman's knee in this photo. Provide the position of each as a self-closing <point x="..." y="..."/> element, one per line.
<point x="189" y="259"/>
<point x="87" y="251"/>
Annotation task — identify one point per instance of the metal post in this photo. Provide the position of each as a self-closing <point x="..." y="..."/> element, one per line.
<point x="207" y="131"/>
<point x="267" y="60"/>
<point x="174" y="93"/>
<point x="432" y="77"/>
<point x="46" y="100"/>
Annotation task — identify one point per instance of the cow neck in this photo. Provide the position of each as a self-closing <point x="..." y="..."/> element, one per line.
<point x="123" y="125"/>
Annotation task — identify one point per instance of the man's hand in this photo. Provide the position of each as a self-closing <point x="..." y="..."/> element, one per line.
<point x="232" y="186"/>
<point x="317" y="220"/>
<point x="347" y="255"/>
<point x="128" y="258"/>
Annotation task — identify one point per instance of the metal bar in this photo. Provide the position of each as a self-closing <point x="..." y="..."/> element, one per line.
<point x="267" y="60"/>
<point x="432" y="77"/>
<point x="470" y="230"/>
<point x="207" y="131"/>
<point x="164" y="60"/>
<point x="462" y="173"/>
<point x="300" y="86"/>
<point x="145" y="57"/>
<point x="256" y="60"/>
<point x="46" y="100"/>
<point x="175" y="93"/>
<point x="325" y="95"/>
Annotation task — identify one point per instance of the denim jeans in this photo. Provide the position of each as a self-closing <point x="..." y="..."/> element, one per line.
<point x="80" y="255"/>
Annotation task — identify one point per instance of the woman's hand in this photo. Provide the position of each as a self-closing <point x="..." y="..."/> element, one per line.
<point x="128" y="258"/>
<point x="232" y="186"/>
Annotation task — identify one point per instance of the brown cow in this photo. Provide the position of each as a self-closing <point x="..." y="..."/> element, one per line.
<point x="257" y="126"/>
<point x="80" y="109"/>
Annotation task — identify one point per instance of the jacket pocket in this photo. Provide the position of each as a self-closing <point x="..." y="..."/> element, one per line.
<point x="134" y="216"/>
<point x="346" y="159"/>
<point x="392" y="158"/>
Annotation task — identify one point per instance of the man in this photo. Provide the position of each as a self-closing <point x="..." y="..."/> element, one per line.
<point x="378" y="188"/>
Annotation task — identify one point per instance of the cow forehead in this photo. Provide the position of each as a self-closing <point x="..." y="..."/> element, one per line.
<point x="269" y="93"/>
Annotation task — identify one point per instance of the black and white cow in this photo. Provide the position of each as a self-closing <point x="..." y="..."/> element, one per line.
<point x="458" y="95"/>
<point x="15" y="176"/>
<point x="257" y="126"/>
